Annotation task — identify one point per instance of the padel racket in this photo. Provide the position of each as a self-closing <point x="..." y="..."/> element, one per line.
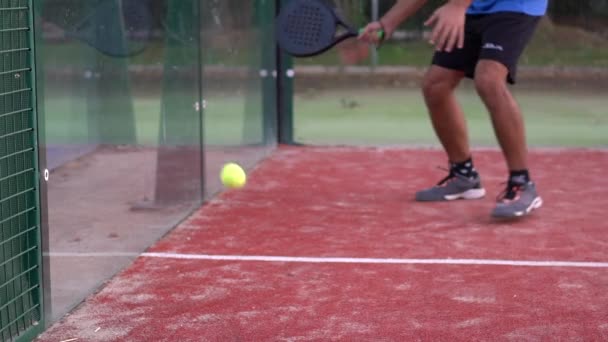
<point x="310" y="27"/>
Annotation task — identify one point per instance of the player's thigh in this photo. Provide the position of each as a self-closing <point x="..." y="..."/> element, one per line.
<point x="505" y="37"/>
<point x="462" y="60"/>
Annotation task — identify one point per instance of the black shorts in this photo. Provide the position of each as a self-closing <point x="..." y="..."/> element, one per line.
<point x="501" y="37"/>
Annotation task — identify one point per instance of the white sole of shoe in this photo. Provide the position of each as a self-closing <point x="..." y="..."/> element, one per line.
<point x="469" y="195"/>
<point x="537" y="203"/>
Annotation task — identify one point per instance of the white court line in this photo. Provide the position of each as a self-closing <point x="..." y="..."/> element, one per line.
<point x="329" y="260"/>
<point x="476" y="262"/>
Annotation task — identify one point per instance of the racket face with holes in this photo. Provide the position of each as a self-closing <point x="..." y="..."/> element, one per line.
<point x="308" y="28"/>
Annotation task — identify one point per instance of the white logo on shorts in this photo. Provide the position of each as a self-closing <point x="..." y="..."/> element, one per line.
<point x="492" y="46"/>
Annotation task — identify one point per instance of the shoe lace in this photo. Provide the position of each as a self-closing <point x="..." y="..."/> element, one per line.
<point x="510" y="191"/>
<point x="451" y="175"/>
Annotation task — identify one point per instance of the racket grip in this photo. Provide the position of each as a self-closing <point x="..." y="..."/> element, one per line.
<point x="380" y="33"/>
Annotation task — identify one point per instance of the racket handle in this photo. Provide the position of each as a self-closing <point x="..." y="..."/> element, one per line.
<point x="380" y="33"/>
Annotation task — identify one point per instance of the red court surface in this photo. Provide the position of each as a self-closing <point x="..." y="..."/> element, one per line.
<point x="375" y="265"/>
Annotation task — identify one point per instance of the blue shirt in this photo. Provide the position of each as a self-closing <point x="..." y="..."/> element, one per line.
<point x="530" y="7"/>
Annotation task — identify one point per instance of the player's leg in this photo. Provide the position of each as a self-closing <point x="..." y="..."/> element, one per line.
<point x="446" y="72"/>
<point x="504" y="111"/>
<point x="445" y="112"/>
<point x="504" y="38"/>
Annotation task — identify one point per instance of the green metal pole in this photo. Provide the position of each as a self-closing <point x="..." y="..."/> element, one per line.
<point x="285" y="87"/>
<point x="266" y="10"/>
<point x="43" y="173"/>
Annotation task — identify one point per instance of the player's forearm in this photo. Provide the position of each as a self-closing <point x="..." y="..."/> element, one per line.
<point x="402" y="10"/>
<point x="463" y="3"/>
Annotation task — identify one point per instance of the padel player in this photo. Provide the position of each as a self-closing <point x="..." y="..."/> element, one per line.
<point x="482" y="40"/>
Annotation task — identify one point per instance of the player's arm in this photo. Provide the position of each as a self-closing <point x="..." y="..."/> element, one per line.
<point x="448" y="25"/>
<point x="402" y="10"/>
<point x="448" y="21"/>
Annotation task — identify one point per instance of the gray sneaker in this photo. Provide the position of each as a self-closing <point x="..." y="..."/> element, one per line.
<point x="453" y="187"/>
<point x="517" y="200"/>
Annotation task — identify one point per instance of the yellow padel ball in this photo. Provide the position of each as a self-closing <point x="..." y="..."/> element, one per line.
<point x="233" y="176"/>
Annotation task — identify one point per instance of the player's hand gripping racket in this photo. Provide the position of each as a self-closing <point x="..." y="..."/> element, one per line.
<point x="310" y="27"/>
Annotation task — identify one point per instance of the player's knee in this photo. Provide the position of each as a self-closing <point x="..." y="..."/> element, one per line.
<point x="488" y="84"/>
<point x="490" y="79"/>
<point x="435" y="87"/>
<point x="439" y="82"/>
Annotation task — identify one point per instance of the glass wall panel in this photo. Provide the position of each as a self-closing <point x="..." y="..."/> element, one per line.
<point x="122" y="133"/>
